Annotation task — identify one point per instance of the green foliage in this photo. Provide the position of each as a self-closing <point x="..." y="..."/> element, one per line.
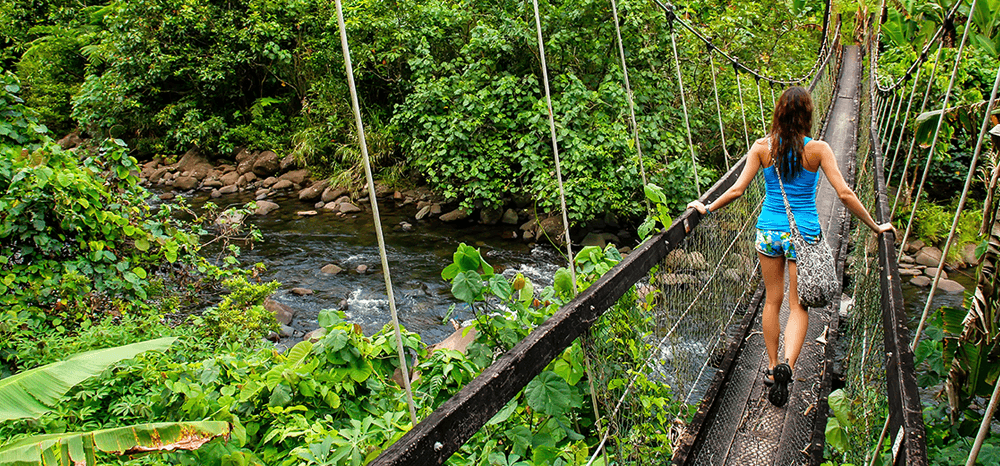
<point x="660" y="214"/>
<point x="31" y="393"/>
<point x="19" y="125"/>
<point x="241" y="316"/>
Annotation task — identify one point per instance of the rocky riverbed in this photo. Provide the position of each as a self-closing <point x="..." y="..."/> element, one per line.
<point x="319" y="240"/>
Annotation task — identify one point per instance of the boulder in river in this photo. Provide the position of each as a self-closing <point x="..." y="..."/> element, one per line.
<point x="332" y="193"/>
<point x="313" y="192"/>
<point x="348" y="208"/>
<point x="266" y="163"/>
<point x="282" y="312"/>
<point x="509" y="217"/>
<point x="282" y="184"/>
<point x="296" y="176"/>
<point x="331" y="269"/>
<point x="457" y="214"/>
<point x="185" y="183"/>
<point x="265" y="207"/>
<point x="929" y="256"/>
<point x="302" y="291"/>
<point x="920" y="280"/>
<point x="951" y="287"/>
<point x="423" y="212"/>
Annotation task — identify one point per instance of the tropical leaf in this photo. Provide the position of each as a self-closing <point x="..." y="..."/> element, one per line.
<point x="79" y="448"/>
<point x="31" y="393"/>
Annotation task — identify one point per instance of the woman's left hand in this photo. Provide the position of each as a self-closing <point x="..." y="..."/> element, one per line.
<point x="697" y="205"/>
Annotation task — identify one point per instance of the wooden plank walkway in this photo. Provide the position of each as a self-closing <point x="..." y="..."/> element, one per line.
<point x="742" y="427"/>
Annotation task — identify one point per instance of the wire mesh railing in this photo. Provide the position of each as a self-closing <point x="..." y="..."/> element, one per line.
<point x="880" y="381"/>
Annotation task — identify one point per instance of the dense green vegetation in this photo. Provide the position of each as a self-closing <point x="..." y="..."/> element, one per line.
<point x="451" y="94"/>
<point x="451" y="90"/>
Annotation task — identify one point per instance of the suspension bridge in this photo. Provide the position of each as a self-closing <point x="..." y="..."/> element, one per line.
<point x="691" y="295"/>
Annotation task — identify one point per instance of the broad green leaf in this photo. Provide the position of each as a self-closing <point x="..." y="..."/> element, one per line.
<point x="467" y="258"/>
<point x="563" y="282"/>
<point x="299" y="352"/>
<point x="31" y="393"/>
<point x="78" y="448"/>
<point x="281" y="395"/>
<point x="527" y="292"/>
<point x="841" y="407"/>
<point x="329" y="317"/>
<point x="835" y="435"/>
<point x="548" y="393"/>
<point x="467" y="286"/>
<point x="450" y="272"/>
<point x="500" y="287"/>
<point x="504" y="413"/>
<point x="654" y="193"/>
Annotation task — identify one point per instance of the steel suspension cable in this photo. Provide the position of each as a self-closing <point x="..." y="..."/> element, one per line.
<point x="743" y="112"/>
<point x="377" y="220"/>
<point x="938" y="35"/>
<point x="555" y="144"/>
<point x="669" y="9"/>
<point x="895" y="119"/>
<point x="888" y="117"/>
<point x="937" y="131"/>
<point x="760" y="106"/>
<point x="913" y="141"/>
<point x="718" y="108"/>
<point x="902" y="131"/>
<point x="958" y="210"/>
<point x="628" y="95"/>
<point x="680" y="86"/>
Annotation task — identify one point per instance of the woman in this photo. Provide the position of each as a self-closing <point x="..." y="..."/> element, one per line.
<point x="789" y="151"/>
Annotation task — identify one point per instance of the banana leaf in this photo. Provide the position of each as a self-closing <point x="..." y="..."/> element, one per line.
<point x="80" y="448"/>
<point x="31" y="393"/>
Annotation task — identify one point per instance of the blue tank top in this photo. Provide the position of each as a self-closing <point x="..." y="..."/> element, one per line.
<point x="801" y="193"/>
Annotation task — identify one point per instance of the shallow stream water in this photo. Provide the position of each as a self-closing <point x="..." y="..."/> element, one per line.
<point x="295" y="248"/>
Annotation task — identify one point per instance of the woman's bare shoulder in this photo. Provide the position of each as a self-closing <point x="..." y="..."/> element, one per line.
<point x="817" y="146"/>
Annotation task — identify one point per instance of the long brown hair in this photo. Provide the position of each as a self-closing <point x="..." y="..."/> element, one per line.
<point x="791" y="121"/>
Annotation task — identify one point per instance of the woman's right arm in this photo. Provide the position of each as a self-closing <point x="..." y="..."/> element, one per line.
<point x="737" y="189"/>
<point x="828" y="162"/>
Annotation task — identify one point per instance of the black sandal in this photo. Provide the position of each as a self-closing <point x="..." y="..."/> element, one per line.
<point x="768" y="377"/>
<point x="778" y="395"/>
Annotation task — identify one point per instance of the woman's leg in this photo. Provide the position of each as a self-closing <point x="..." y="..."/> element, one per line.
<point x="773" y="271"/>
<point x="798" y="319"/>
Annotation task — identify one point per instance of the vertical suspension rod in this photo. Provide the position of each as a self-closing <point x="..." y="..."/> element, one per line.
<point x="902" y="130"/>
<point x="628" y="95"/>
<point x="958" y="210"/>
<point x="680" y="87"/>
<point x="892" y="126"/>
<point x="743" y="112"/>
<point x="555" y="145"/>
<point x="718" y="108"/>
<point x="378" y="221"/>
<point x="913" y="141"/>
<point x="937" y="131"/>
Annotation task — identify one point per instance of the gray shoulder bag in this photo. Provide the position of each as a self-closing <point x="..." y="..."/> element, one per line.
<point x="817" y="282"/>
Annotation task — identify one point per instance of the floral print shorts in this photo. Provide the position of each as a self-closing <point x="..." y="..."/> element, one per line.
<point x="773" y="243"/>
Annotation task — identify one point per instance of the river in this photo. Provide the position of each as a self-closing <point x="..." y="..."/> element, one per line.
<point x="295" y="248"/>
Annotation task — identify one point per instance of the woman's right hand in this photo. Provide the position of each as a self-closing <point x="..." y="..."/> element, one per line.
<point x="697" y="205"/>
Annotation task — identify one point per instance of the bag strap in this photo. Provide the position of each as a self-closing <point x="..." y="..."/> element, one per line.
<point x="788" y="207"/>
